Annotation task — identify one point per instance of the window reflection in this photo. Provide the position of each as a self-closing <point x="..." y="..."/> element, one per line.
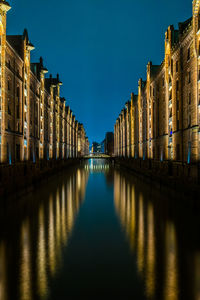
<point x="43" y="234"/>
<point x="137" y="214"/>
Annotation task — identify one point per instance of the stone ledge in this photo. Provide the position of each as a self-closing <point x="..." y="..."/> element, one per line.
<point x="182" y="178"/>
<point x="16" y="178"/>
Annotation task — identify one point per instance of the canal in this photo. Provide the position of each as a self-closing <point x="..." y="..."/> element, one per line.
<point x="96" y="232"/>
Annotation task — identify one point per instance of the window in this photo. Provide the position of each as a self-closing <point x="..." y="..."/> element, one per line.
<point x="189" y="77"/>
<point x="8" y="84"/>
<point x="17" y="111"/>
<point x="172" y="69"/>
<point x="9" y="127"/>
<point x="9" y="110"/>
<point x="9" y="63"/>
<point x="177" y="124"/>
<point x="189" y="98"/>
<point x="188" y="54"/>
<point x="189" y="120"/>
<point x="17" y="91"/>
<point x="177" y="66"/>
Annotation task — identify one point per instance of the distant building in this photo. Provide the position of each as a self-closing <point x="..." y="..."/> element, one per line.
<point x="103" y="146"/>
<point x="109" y="144"/>
<point x="83" y="143"/>
<point x="96" y="147"/>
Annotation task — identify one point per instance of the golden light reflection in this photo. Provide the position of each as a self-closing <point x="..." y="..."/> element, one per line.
<point x="43" y="237"/>
<point x="25" y="272"/>
<point x="140" y="259"/>
<point x="41" y="257"/>
<point x="3" y="292"/>
<point x="133" y="218"/>
<point x="63" y="217"/>
<point x="58" y="227"/>
<point x="51" y="237"/>
<point x="70" y="216"/>
<point x="133" y="214"/>
<point x="171" y="275"/>
<point x="150" y="268"/>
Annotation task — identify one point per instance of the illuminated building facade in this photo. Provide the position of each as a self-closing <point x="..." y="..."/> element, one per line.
<point x="83" y="142"/>
<point x="34" y="120"/>
<point x="163" y="121"/>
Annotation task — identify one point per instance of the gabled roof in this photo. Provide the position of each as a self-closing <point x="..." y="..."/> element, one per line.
<point x="183" y="25"/>
<point x="17" y="42"/>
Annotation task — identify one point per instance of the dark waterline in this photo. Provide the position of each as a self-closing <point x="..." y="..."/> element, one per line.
<point x="95" y="232"/>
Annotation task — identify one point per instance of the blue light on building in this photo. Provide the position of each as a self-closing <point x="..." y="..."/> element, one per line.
<point x="189" y="153"/>
<point x="34" y="157"/>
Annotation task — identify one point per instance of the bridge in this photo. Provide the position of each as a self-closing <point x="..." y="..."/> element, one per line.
<point x="97" y="155"/>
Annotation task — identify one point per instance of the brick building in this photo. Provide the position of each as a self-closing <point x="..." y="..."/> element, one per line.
<point x="163" y="121"/>
<point x="34" y="120"/>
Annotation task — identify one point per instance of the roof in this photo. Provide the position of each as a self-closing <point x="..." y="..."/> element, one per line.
<point x="183" y="25"/>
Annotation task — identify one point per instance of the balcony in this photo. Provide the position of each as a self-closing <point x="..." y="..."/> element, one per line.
<point x="170" y="120"/>
<point x="25" y="92"/>
<point x="170" y="86"/>
<point x="25" y="124"/>
<point x="26" y="76"/>
<point x="170" y="103"/>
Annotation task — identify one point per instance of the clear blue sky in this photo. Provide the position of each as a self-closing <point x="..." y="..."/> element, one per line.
<point x="100" y="48"/>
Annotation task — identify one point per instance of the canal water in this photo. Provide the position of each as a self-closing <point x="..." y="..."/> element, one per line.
<point x="95" y="232"/>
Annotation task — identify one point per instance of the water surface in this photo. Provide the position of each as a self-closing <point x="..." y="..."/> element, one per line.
<point x="95" y="232"/>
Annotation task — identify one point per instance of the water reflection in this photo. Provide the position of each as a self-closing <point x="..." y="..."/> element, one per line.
<point x="97" y="166"/>
<point x="40" y="238"/>
<point x="167" y="262"/>
<point x="40" y="246"/>
<point x="25" y="270"/>
<point x="3" y="272"/>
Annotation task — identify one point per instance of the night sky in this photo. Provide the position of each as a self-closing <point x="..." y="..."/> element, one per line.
<point x="100" y="48"/>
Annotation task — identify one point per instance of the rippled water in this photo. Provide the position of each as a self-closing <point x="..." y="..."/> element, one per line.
<point x="96" y="232"/>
